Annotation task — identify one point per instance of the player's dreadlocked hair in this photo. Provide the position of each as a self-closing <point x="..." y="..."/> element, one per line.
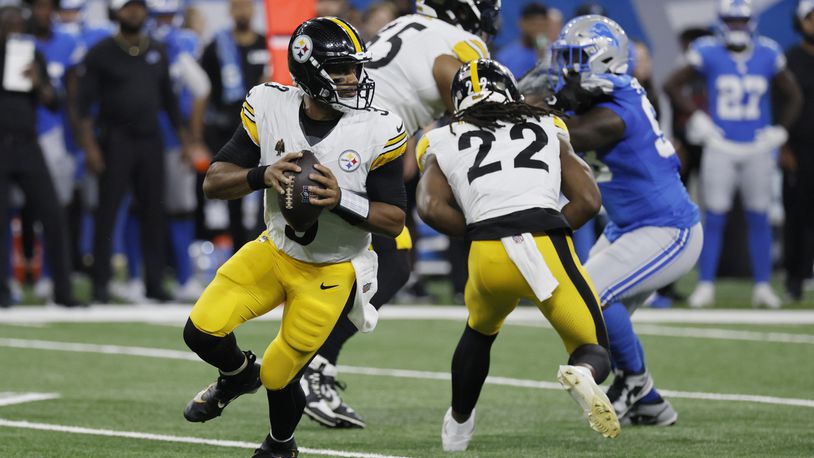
<point x="488" y="115"/>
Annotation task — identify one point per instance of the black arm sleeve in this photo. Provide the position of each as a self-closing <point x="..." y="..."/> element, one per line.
<point x="240" y="150"/>
<point x="386" y="184"/>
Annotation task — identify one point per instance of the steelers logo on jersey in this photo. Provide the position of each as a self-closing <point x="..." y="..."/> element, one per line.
<point x="302" y="48"/>
<point x="349" y="160"/>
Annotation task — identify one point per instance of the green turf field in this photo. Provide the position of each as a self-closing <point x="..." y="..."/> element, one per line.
<point x="144" y="394"/>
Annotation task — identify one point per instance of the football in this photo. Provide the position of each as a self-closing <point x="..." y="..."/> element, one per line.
<point x="294" y="202"/>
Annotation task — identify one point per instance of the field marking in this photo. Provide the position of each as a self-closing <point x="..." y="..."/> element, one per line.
<point x="397" y="373"/>
<point x="705" y="333"/>
<point x="178" y="314"/>
<point x="11" y="398"/>
<point x="176" y="439"/>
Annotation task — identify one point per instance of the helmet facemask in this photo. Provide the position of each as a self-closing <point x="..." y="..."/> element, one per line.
<point x="345" y="97"/>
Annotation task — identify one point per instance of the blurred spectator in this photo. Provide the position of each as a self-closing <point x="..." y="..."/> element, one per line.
<point x="194" y="20"/>
<point x="21" y="160"/>
<point x="643" y="72"/>
<point x="696" y="90"/>
<point x="62" y="53"/>
<point x="192" y="88"/>
<point x="376" y="16"/>
<point x="404" y="7"/>
<point x="339" y="8"/>
<point x="554" y="24"/>
<point x="520" y="55"/>
<point x="590" y="8"/>
<point x="128" y="76"/>
<point x="797" y="161"/>
<point x="235" y="61"/>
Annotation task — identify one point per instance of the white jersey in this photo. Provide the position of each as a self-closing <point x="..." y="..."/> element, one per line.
<point x="362" y="141"/>
<point x="493" y="174"/>
<point x="404" y="53"/>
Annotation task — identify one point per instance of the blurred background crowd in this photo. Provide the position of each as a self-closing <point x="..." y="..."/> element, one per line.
<point x="94" y="212"/>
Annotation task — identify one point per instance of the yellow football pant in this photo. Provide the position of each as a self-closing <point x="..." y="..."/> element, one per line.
<point x="495" y="287"/>
<point x="257" y="279"/>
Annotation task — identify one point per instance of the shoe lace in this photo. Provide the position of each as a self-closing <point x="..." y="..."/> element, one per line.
<point x="315" y="383"/>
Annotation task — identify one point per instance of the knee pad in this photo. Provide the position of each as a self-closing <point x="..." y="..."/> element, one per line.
<point x="281" y="364"/>
<point x="596" y="356"/>
<point x="306" y="331"/>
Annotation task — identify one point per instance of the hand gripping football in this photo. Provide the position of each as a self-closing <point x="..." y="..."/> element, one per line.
<point x="294" y="201"/>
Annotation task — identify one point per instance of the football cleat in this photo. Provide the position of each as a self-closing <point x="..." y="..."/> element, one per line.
<point x="316" y="405"/>
<point x="273" y="449"/>
<point x="455" y="436"/>
<point x="210" y="402"/>
<point x="703" y="296"/>
<point x="346" y="417"/>
<point x="627" y="389"/>
<point x="659" y="413"/>
<point x="580" y="384"/>
<point x="763" y="296"/>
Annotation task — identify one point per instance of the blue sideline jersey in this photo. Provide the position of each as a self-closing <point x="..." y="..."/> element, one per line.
<point x="177" y="42"/>
<point x="644" y="188"/>
<point x="61" y="52"/>
<point x="739" y="85"/>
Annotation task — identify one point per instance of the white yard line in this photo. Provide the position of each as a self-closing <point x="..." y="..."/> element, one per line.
<point x="177" y="314"/>
<point x="397" y="373"/>
<point x="176" y="439"/>
<point x="704" y="333"/>
<point x="10" y="398"/>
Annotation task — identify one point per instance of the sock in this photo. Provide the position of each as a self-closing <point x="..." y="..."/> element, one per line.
<point x="652" y="396"/>
<point x="285" y="410"/>
<point x="132" y="247"/>
<point x="713" y="241"/>
<point x="624" y="344"/>
<point x="470" y="366"/>
<point x="760" y="245"/>
<point x="182" y="233"/>
<point x="221" y="352"/>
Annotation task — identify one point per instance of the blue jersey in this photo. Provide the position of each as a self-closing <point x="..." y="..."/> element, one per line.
<point x="644" y="188"/>
<point x="177" y="42"/>
<point x="739" y="85"/>
<point x="61" y="52"/>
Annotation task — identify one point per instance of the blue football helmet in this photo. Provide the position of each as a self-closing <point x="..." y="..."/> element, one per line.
<point x="736" y="25"/>
<point x="592" y="48"/>
<point x="164" y="7"/>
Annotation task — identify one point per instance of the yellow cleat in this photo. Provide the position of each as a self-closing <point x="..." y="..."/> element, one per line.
<point x="579" y="383"/>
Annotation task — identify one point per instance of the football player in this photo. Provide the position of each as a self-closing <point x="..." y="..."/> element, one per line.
<point x="494" y="176"/>
<point x="739" y="139"/>
<point x="318" y="273"/>
<point x="414" y="60"/>
<point x="654" y="235"/>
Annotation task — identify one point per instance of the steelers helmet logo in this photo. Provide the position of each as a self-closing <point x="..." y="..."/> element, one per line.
<point x="349" y="160"/>
<point x="301" y="48"/>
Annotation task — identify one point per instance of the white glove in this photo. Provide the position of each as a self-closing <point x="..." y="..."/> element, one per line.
<point x="700" y="128"/>
<point x="770" y="138"/>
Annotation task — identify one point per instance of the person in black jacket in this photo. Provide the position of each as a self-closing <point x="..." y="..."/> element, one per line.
<point x="22" y="163"/>
<point x="127" y="75"/>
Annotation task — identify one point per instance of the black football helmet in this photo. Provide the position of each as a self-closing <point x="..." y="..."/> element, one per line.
<point x="322" y="42"/>
<point x="474" y="16"/>
<point x="483" y="80"/>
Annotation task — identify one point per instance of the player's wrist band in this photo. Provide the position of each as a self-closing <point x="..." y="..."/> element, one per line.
<point x="257" y="178"/>
<point x="352" y="207"/>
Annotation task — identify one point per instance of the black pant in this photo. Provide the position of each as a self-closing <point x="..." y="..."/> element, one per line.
<point x="22" y="162"/>
<point x="137" y="162"/>
<point x="798" y="232"/>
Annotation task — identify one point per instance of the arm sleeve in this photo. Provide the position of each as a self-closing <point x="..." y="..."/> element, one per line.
<point x="393" y="148"/>
<point x="248" y="114"/>
<point x="88" y="84"/>
<point x="470" y="49"/>
<point x="421" y="152"/>
<point x="240" y="150"/>
<point x="386" y="184"/>
<point x="193" y="76"/>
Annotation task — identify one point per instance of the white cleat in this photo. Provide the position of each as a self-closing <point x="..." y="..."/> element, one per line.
<point x="764" y="296"/>
<point x="703" y="296"/>
<point x="44" y="288"/>
<point x="131" y="291"/>
<point x="189" y="291"/>
<point x="455" y="436"/>
<point x="580" y="384"/>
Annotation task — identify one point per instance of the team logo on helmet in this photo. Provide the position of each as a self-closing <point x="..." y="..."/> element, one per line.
<point x="349" y="160"/>
<point x="302" y="48"/>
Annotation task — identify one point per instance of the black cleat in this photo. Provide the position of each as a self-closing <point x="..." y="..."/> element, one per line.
<point x="273" y="449"/>
<point x="210" y="402"/>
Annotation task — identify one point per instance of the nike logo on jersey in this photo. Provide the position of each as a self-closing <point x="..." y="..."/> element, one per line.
<point x="323" y="286"/>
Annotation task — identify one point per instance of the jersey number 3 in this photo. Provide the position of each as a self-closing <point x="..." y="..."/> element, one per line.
<point x="523" y="158"/>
